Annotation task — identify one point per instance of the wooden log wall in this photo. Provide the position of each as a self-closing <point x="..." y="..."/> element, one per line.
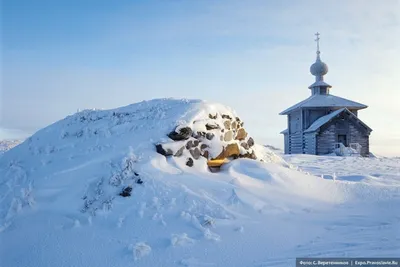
<point x="326" y="140"/>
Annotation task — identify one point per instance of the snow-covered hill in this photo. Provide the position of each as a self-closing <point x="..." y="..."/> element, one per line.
<point x="61" y="199"/>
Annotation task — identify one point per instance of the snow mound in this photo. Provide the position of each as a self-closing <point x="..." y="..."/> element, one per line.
<point x="120" y="141"/>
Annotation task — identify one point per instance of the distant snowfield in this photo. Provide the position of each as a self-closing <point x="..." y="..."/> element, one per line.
<point x="6" y="145"/>
<point x="59" y="202"/>
<point x="374" y="171"/>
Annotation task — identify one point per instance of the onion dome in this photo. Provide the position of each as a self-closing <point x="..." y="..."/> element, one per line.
<point x="319" y="68"/>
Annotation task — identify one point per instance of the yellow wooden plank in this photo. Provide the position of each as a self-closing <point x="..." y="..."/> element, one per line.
<point x="216" y="162"/>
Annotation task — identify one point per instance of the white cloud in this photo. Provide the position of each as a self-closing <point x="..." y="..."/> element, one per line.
<point x="6" y="134"/>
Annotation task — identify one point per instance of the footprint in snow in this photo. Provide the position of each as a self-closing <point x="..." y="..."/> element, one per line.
<point x="120" y="222"/>
<point x="72" y="224"/>
<point x="190" y="262"/>
<point x="240" y="229"/>
<point x="140" y="250"/>
<point x="74" y="221"/>
<point x="211" y="236"/>
<point x="181" y="240"/>
<point x="142" y="209"/>
<point x="159" y="217"/>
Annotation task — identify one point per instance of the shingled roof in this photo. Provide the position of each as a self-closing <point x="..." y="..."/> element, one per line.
<point x="318" y="100"/>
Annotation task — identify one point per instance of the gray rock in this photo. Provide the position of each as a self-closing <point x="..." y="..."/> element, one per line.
<point x="179" y="152"/>
<point x="126" y="192"/>
<point x="212" y="126"/>
<point x="199" y="135"/>
<point x="210" y="136"/>
<point x="203" y="146"/>
<point x="182" y="134"/>
<point x="213" y="117"/>
<point x="189" y="162"/>
<point x="250" y="142"/>
<point x="196" y="143"/>
<point x="245" y="145"/>
<point x="189" y="144"/>
<point x="165" y="152"/>
<point x="196" y="153"/>
<point x="224" y="116"/>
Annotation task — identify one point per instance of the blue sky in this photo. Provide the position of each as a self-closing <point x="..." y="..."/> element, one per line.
<point x="58" y="56"/>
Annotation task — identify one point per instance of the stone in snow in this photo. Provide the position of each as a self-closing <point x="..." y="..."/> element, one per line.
<point x="180" y="134"/>
<point x="250" y="142"/>
<point x="209" y="136"/>
<point x="212" y="126"/>
<point x="196" y="153"/>
<point x="189" y="162"/>
<point x="179" y="152"/>
<point x="165" y="152"/>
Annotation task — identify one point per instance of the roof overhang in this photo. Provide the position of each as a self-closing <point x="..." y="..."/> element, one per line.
<point x="286" y="131"/>
<point x="319" y="84"/>
<point x="333" y="115"/>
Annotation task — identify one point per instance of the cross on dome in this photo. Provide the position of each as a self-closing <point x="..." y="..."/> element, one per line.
<point x="317" y="40"/>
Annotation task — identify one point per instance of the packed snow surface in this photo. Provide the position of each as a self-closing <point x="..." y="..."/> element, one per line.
<point x="60" y="202"/>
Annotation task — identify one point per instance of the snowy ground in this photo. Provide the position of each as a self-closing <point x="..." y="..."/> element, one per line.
<point x="375" y="170"/>
<point x="59" y="202"/>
